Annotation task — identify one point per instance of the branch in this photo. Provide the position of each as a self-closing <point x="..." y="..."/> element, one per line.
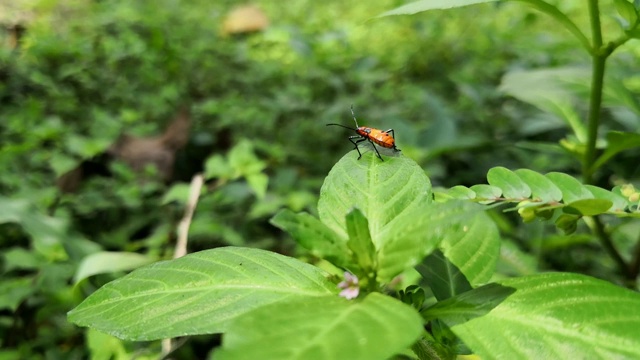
<point x="183" y="231"/>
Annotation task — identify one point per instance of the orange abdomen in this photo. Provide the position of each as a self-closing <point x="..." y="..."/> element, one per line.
<point x="377" y="136"/>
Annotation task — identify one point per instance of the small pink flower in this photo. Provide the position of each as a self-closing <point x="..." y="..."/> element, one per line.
<point x="349" y="286"/>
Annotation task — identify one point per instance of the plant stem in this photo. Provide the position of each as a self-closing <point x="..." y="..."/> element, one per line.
<point x="608" y="245"/>
<point x="595" y="98"/>
<point x="634" y="268"/>
<point x="599" y="56"/>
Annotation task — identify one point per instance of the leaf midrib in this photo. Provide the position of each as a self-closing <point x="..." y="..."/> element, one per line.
<point x="273" y="289"/>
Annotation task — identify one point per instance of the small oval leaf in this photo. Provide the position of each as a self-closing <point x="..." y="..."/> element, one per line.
<point x="588" y="207"/>
<point x="483" y="191"/>
<point x="618" y="202"/>
<point x="512" y="186"/>
<point x="541" y="187"/>
<point x="571" y="188"/>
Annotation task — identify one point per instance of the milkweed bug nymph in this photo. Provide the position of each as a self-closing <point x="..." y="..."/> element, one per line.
<point x="385" y="139"/>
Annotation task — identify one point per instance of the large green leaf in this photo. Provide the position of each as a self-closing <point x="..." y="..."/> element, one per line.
<point x="425" y="5"/>
<point x="475" y="248"/>
<point x="554" y="12"/>
<point x="197" y="294"/>
<point x="313" y="235"/>
<point x="558" y="316"/>
<point x="551" y="90"/>
<point x="324" y="328"/>
<point x="395" y="197"/>
<point x="417" y="234"/>
<point x="383" y="190"/>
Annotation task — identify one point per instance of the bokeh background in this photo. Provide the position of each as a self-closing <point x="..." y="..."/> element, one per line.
<point x="94" y="93"/>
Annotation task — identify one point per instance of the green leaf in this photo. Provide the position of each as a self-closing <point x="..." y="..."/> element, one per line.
<point x="588" y="207"/>
<point x="47" y="233"/>
<point x="108" y="262"/>
<point x="571" y="188"/>
<point x="551" y="90"/>
<point x="324" y="328"/>
<point x="394" y="195"/>
<point x="425" y="5"/>
<point x="258" y="182"/>
<point x="178" y="192"/>
<point x="360" y="240"/>
<point x="15" y="290"/>
<point x="568" y="223"/>
<point x="17" y="258"/>
<point x="443" y="277"/>
<point x="554" y="12"/>
<point x="617" y="141"/>
<point x="419" y="233"/>
<point x="558" y="316"/>
<point x="200" y="293"/>
<point x="619" y="203"/>
<point x="383" y="190"/>
<point x="461" y="192"/>
<point x="468" y="305"/>
<point x="87" y="147"/>
<point x="314" y="236"/>
<point x="515" y="262"/>
<point x="217" y="167"/>
<point x="542" y="188"/>
<point x="512" y="186"/>
<point x="489" y="192"/>
<point x="104" y="346"/>
<point x="627" y="11"/>
<point x="475" y="248"/>
<point x="243" y="159"/>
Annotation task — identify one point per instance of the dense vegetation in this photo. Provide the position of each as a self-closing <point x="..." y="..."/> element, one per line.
<point x="466" y="91"/>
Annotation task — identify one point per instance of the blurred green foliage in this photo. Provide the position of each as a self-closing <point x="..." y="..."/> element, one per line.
<point x="87" y="71"/>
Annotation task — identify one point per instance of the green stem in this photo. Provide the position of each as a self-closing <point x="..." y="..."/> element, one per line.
<point x="599" y="56"/>
<point x="610" y="248"/>
<point x="634" y="268"/>
<point x="595" y="99"/>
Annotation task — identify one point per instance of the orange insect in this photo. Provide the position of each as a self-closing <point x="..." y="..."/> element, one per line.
<point x="385" y="139"/>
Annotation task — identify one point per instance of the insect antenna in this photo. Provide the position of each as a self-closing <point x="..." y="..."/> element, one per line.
<point x="354" y="116"/>
<point x="346" y="127"/>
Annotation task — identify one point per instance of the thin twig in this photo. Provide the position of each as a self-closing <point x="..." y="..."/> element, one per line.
<point x="183" y="227"/>
<point x="634" y="267"/>
<point x="183" y="231"/>
<point x="608" y="245"/>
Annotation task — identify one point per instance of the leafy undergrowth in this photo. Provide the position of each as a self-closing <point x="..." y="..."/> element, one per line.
<point x="376" y="222"/>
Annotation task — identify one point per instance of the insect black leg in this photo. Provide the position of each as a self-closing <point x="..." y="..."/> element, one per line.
<point x="376" y="149"/>
<point x="355" y="143"/>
